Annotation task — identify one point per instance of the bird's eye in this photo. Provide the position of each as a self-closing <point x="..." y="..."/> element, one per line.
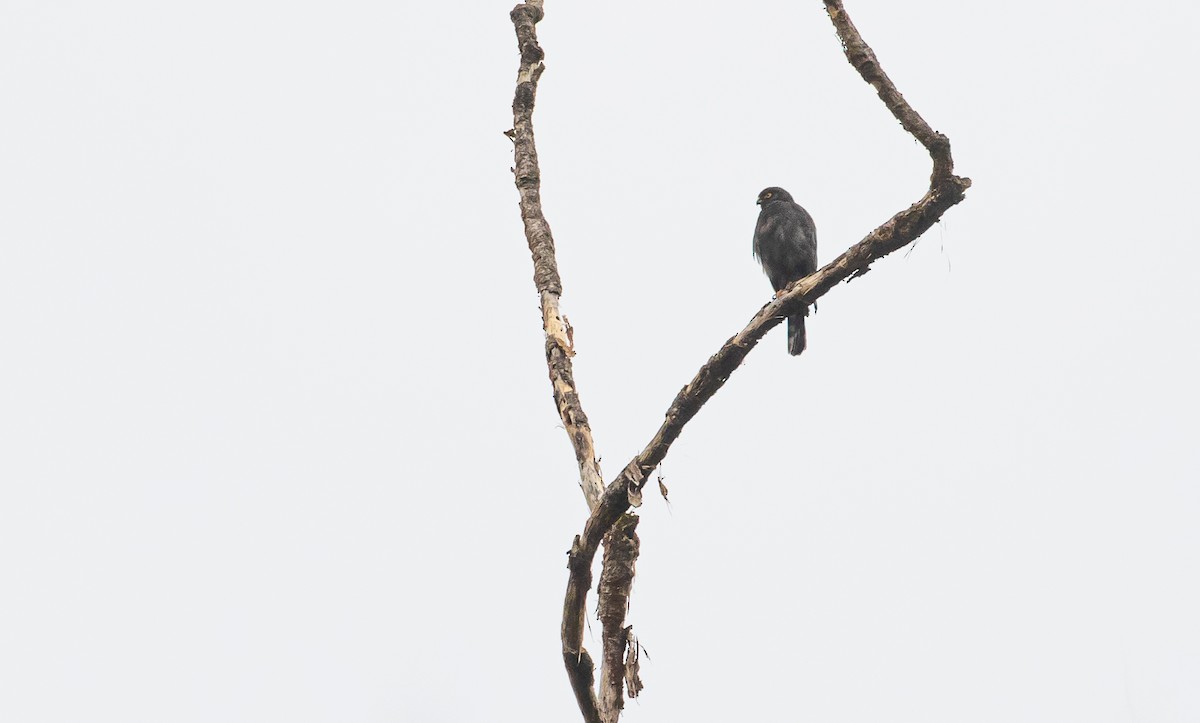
<point x="768" y="194"/>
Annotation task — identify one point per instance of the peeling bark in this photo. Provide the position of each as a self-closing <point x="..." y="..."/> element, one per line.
<point x="621" y="546"/>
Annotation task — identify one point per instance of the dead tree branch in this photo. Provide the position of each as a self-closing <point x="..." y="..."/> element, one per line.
<point x="864" y="61"/>
<point x="609" y="507"/>
<point x="559" y="345"/>
<point x="559" y="342"/>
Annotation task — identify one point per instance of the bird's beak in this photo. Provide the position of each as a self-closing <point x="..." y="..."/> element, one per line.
<point x="758" y="202"/>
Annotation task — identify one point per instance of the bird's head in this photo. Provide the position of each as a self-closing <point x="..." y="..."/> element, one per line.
<point x="774" y="193"/>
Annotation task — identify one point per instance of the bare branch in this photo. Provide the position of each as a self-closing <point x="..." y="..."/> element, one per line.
<point x="580" y="669"/>
<point x="559" y="346"/>
<point x="608" y="506"/>
<point x="559" y="343"/>
<point x="945" y="190"/>
<point x="864" y="61"/>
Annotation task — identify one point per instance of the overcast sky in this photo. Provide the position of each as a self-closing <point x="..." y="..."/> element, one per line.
<point x="277" y="442"/>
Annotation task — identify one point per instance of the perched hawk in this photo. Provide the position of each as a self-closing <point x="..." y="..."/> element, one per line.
<point x="785" y="242"/>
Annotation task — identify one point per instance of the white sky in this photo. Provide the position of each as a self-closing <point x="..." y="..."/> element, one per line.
<point x="276" y="440"/>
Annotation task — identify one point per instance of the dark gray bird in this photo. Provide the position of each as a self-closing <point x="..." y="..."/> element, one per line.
<point x="785" y="243"/>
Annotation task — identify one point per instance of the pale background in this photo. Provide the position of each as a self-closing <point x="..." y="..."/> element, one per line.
<point x="277" y="443"/>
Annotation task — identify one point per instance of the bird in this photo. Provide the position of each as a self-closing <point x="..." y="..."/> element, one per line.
<point x="785" y="243"/>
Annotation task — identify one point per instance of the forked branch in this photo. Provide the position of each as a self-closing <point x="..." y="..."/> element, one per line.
<point x="945" y="190"/>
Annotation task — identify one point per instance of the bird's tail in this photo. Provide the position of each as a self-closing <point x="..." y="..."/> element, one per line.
<point x="797" y="339"/>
